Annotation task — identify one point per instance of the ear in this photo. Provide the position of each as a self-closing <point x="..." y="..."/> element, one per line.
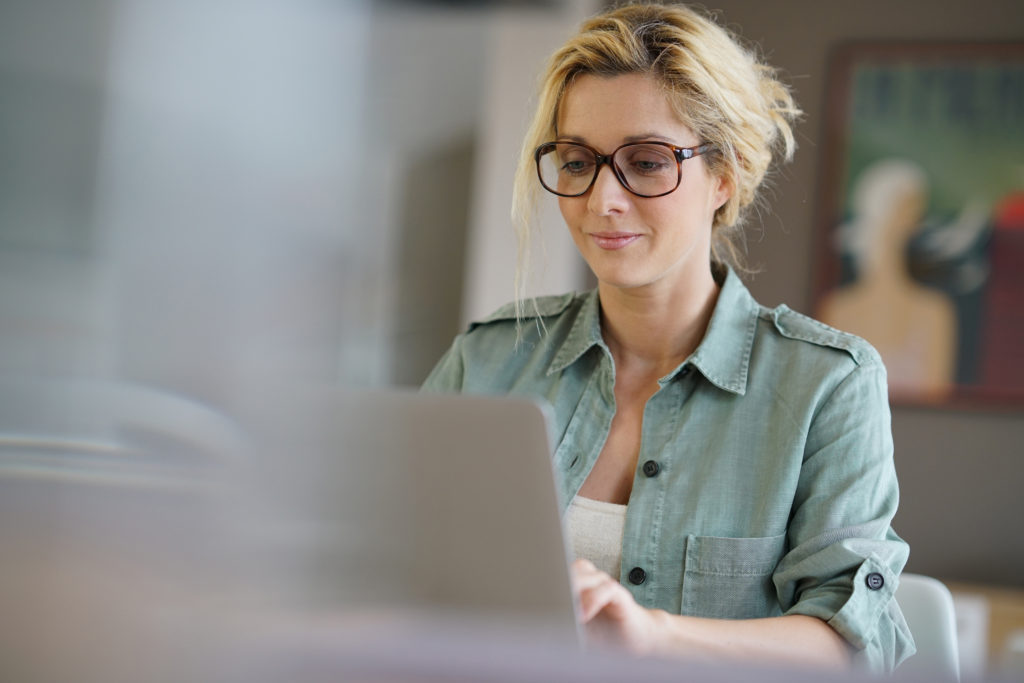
<point x="722" y="191"/>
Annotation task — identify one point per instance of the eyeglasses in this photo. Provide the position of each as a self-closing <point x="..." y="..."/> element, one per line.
<point x="647" y="169"/>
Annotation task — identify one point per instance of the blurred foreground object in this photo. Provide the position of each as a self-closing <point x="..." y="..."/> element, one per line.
<point x="111" y="525"/>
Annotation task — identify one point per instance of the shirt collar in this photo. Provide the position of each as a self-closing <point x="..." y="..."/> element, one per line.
<point x="723" y="356"/>
<point x="584" y="333"/>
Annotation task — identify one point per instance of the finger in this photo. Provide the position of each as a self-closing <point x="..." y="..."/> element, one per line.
<point x="586" y="577"/>
<point x="584" y="570"/>
<point x="586" y="574"/>
<point x="584" y="563"/>
<point x="599" y="596"/>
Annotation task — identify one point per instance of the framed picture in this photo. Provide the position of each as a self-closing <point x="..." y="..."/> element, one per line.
<point x="921" y="216"/>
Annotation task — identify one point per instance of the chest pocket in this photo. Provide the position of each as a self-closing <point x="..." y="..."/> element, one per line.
<point x="731" y="578"/>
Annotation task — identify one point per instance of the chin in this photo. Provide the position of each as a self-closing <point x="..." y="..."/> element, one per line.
<point x="619" y="274"/>
<point x="619" y="281"/>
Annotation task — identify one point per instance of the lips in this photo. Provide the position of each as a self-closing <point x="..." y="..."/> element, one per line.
<point x="613" y="240"/>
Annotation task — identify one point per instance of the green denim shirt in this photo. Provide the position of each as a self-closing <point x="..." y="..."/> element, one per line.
<point x="773" y="486"/>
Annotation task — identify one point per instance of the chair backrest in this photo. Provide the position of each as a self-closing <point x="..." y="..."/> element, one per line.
<point x="928" y="607"/>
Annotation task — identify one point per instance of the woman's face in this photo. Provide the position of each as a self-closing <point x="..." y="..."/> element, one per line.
<point x="630" y="241"/>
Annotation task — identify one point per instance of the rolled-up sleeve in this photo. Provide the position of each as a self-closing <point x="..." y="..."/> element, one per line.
<point x="844" y="559"/>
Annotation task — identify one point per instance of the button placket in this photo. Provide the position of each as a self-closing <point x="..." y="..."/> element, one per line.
<point x="661" y="414"/>
<point x="583" y="428"/>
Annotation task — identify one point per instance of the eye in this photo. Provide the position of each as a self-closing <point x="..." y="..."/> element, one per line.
<point x="577" y="162"/>
<point x="648" y="166"/>
<point x="648" y="160"/>
<point x="575" y="167"/>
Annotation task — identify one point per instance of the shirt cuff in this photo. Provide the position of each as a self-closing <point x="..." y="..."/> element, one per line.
<point x="869" y="619"/>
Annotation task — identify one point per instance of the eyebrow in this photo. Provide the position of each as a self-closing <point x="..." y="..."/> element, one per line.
<point x="643" y="137"/>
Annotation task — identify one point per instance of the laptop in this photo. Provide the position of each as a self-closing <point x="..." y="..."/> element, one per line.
<point x="397" y="504"/>
<point x="353" y="532"/>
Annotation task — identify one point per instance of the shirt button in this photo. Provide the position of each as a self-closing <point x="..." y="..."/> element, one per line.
<point x="637" y="576"/>
<point x="874" y="581"/>
<point x="684" y="371"/>
<point x="651" y="468"/>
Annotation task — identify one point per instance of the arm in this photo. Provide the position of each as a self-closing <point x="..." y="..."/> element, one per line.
<point x="836" y="581"/>
<point x="447" y="375"/>
<point x="844" y="559"/>
<point x="612" y="616"/>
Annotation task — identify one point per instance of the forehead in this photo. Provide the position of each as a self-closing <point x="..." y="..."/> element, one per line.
<point x="610" y="110"/>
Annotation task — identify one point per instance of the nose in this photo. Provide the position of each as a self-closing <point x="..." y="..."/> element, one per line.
<point x="607" y="195"/>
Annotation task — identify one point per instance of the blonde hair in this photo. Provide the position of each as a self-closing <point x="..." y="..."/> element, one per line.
<point x="717" y="87"/>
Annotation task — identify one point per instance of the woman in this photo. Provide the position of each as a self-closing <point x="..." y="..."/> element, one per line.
<point x="726" y="469"/>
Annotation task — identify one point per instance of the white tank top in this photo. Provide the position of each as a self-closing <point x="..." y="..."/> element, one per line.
<point x="595" y="531"/>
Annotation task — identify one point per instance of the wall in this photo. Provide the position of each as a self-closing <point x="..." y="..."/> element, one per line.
<point x="518" y="45"/>
<point x="454" y="155"/>
<point x="960" y="472"/>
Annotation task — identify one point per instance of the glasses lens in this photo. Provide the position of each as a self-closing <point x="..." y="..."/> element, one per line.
<point x="648" y="169"/>
<point x="566" y="168"/>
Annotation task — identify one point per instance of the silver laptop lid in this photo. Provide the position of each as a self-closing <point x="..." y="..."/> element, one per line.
<point x="389" y="501"/>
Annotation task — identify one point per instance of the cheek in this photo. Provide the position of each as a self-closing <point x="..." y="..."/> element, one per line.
<point x="674" y="216"/>
<point x="562" y="206"/>
<point x="570" y="209"/>
<point x="683" y="220"/>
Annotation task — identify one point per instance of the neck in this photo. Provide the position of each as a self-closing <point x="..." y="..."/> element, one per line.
<point x="656" y="328"/>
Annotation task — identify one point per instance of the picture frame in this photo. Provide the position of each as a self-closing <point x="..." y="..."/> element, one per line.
<point x="920" y="221"/>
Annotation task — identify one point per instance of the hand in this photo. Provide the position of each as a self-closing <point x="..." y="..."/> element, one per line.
<point x="612" y="617"/>
<point x="609" y="612"/>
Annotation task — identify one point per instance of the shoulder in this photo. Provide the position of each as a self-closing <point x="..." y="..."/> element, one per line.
<point x="504" y="350"/>
<point x="813" y="335"/>
<point x="541" y="327"/>
<point x="529" y="309"/>
<point x="804" y="367"/>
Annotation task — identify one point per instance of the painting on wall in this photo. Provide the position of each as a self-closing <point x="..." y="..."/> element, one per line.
<point x="921" y="217"/>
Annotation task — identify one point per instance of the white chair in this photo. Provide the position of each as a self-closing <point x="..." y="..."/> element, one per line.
<point x="928" y="607"/>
